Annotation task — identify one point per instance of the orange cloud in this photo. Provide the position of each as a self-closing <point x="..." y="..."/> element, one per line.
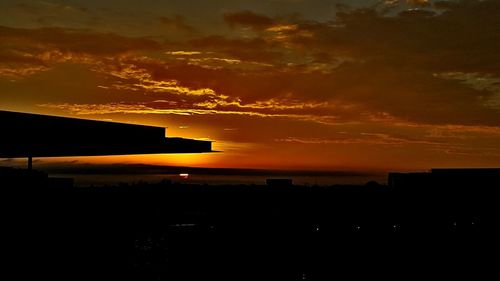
<point x="123" y="108"/>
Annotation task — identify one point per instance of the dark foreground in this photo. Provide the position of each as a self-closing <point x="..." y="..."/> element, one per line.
<point x="181" y="232"/>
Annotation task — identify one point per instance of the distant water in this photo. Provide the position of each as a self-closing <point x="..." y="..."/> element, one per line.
<point x="321" y="180"/>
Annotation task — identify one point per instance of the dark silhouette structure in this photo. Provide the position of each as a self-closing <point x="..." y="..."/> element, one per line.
<point x="29" y="178"/>
<point x="430" y="224"/>
<point x="279" y="182"/>
<point x="478" y="178"/>
<point x="32" y="135"/>
<point x="277" y="231"/>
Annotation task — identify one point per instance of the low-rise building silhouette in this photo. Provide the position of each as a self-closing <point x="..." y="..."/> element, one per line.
<point x="279" y="182"/>
<point x="478" y="177"/>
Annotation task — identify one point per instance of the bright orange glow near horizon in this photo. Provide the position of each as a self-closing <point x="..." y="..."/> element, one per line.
<point x="277" y="84"/>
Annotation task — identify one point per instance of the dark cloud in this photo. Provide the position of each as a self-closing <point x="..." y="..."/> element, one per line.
<point x="419" y="3"/>
<point x="242" y="48"/>
<point x="72" y="40"/>
<point x="248" y="18"/>
<point x="417" y="13"/>
<point x="445" y="4"/>
<point x="376" y="63"/>
<point x="178" y="23"/>
<point x="387" y="63"/>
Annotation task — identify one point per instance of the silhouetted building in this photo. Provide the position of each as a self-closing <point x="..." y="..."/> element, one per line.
<point x="33" y="135"/>
<point x="480" y="177"/>
<point x="279" y="182"/>
<point x="10" y="177"/>
<point x="409" y="179"/>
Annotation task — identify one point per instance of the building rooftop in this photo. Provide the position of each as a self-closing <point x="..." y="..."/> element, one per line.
<point x="34" y="135"/>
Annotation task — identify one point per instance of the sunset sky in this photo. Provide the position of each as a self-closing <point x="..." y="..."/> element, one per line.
<point x="281" y="84"/>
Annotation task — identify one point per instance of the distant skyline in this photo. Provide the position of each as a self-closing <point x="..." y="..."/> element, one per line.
<point x="277" y="84"/>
